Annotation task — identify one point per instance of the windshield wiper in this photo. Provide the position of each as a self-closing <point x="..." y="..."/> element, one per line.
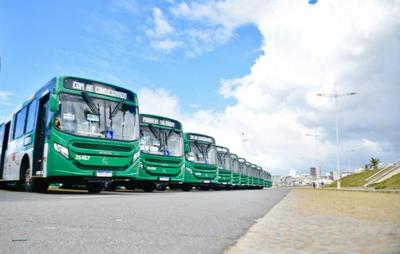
<point x="117" y="107"/>
<point x="203" y="150"/>
<point x="155" y="133"/>
<point x="167" y="136"/>
<point x="90" y="103"/>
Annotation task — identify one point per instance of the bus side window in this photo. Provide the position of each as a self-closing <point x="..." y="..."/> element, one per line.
<point x="20" y="123"/>
<point x="30" y="121"/>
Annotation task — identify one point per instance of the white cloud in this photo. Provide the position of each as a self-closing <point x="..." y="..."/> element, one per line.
<point x="161" y="25"/>
<point x="5" y="98"/>
<point x="306" y="48"/>
<point x="165" y="45"/>
<point x="127" y="5"/>
<point x="158" y="102"/>
<point x="371" y="145"/>
<point x="162" y="36"/>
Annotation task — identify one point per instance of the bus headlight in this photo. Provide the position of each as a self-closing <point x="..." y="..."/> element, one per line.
<point x="189" y="170"/>
<point x="62" y="150"/>
<point x="136" y="156"/>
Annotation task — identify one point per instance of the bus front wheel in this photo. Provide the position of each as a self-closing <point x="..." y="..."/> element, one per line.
<point x="149" y="187"/>
<point x="161" y="187"/>
<point x="187" y="187"/>
<point x="94" y="187"/>
<point x="33" y="184"/>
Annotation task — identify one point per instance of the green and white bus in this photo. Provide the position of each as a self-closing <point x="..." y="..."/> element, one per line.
<point x="235" y="171"/>
<point x="260" y="181"/>
<point x="243" y="172"/>
<point x="73" y="131"/>
<point x="200" y="161"/>
<point x="162" y="160"/>
<point x="224" y="173"/>
<point x="253" y="176"/>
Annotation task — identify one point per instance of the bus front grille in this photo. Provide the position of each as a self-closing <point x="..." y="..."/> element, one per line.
<point x="102" y="147"/>
<point x="93" y="167"/>
<point x="172" y="162"/>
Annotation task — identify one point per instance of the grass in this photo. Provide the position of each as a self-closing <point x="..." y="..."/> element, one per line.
<point x="391" y="183"/>
<point x="355" y="180"/>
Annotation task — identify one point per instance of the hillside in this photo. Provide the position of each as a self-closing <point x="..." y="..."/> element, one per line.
<point x="391" y="183"/>
<point x="355" y="180"/>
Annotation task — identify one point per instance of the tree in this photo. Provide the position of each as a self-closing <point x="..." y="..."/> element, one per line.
<point x="375" y="162"/>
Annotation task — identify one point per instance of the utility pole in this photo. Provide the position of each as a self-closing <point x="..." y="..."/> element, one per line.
<point x="337" y="95"/>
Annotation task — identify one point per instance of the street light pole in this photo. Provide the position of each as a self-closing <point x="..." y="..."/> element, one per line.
<point x="336" y="95"/>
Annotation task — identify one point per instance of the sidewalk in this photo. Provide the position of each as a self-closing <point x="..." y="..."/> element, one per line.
<point x="320" y="221"/>
<point x="363" y="189"/>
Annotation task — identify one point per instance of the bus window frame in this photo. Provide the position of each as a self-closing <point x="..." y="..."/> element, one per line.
<point x="51" y="117"/>
<point x="15" y="120"/>
<point x="34" y="116"/>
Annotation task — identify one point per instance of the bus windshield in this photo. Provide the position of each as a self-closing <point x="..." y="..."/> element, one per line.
<point x="160" y="141"/>
<point x="223" y="160"/>
<point x="93" y="117"/>
<point x="235" y="164"/>
<point x="202" y="153"/>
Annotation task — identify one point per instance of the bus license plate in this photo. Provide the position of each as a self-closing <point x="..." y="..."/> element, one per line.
<point x="206" y="181"/>
<point x="164" y="179"/>
<point x="104" y="173"/>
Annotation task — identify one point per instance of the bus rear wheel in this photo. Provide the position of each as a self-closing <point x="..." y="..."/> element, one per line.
<point x="94" y="187"/>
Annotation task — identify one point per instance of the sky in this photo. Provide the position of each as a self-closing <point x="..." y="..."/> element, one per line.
<point x="243" y="71"/>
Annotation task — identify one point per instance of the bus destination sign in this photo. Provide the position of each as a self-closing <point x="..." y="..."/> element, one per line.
<point x="97" y="88"/>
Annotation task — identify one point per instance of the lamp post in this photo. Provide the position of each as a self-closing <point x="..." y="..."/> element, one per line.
<point x="336" y="95"/>
<point x="316" y="153"/>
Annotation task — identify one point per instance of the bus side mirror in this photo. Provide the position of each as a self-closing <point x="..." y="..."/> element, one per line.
<point x="53" y="103"/>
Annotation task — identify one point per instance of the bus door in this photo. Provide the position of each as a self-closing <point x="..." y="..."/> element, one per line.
<point x="40" y="134"/>
<point x="4" y="133"/>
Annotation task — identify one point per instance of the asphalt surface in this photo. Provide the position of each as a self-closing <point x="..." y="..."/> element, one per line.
<point x="130" y="222"/>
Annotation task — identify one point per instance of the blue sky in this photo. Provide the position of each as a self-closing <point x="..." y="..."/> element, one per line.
<point x="234" y="69"/>
<point x="107" y="42"/>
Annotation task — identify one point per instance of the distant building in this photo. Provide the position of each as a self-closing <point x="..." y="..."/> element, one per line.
<point x="318" y="172"/>
<point x="292" y="172"/>
<point x="276" y="180"/>
<point x="313" y="172"/>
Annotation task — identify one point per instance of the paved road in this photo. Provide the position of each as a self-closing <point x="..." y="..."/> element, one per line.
<point x="129" y="222"/>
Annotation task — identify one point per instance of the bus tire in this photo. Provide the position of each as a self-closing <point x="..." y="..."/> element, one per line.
<point x="130" y="185"/>
<point x="149" y="187"/>
<point x="33" y="184"/>
<point x="186" y="187"/>
<point x="161" y="187"/>
<point x="110" y="186"/>
<point x="94" y="187"/>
